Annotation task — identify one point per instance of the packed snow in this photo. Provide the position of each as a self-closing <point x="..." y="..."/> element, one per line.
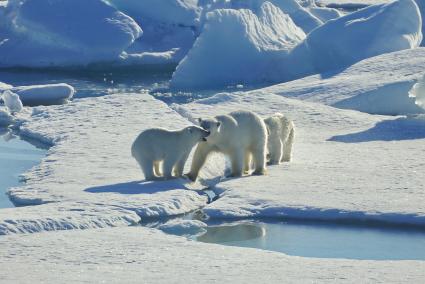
<point x="137" y="254"/>
<point x="347" y="165"/>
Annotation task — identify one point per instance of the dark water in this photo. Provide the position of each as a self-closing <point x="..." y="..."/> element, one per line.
<point x="322" y="240"/>
<point x="95" y="83"/>
<point x="16" y="157"/>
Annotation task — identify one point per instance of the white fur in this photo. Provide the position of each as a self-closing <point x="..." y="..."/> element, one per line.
<point x="171" y="148"/>
<point x="281" y="133"/>
<point x="240" y="135"/>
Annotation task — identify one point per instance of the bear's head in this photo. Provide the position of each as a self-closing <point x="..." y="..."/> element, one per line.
<point x="211" y="125"/>
<point x="197" y="133"/>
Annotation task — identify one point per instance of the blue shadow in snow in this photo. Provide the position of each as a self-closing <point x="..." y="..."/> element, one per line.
<point x="388" y="130"/>
<point x="140" y="187"/>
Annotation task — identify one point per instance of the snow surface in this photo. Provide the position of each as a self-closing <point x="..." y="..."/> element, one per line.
<point x="237" y="46"/>
<point x="379" y="85"/>
<point x="90" y="159"/>
<point x="38" y="33"/>
<point x="137" y="254"/>
<point x="347" y="165"/>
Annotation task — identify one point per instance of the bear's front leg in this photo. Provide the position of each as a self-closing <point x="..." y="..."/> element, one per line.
<point x="199" y="158"/>
<point x="237" y="162"/>
<point x="179" y="167"/>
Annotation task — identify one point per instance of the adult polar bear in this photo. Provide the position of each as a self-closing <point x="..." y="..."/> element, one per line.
<point x="239" y="135"/>
<point x="172" y="148"/>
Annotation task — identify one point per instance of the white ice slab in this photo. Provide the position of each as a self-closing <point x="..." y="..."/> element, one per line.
<point x="44" y="94"/>
<point x="90" y="158"/>
<point x="347" y="165"/>
<point x="63" y="216"/>
<point x="142" y="255"/>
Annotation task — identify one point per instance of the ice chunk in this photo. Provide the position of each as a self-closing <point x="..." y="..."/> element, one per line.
<point x="40" y="33"/>
<point x="6" y="118"/>
<point x="12" y="101"/>
<point x="237" y="47"/>
<point x="45" y="94"/>
<point x="183" y="227"/>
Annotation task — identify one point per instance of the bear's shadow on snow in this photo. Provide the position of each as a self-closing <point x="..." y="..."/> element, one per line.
<point x="140" y="187"/>
<point x="388" y="130"/>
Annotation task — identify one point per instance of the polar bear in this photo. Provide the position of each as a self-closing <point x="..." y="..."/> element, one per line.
<point x="281" y="133"/>
<point x="172" y="148"/>
<point x="239" y="135"/>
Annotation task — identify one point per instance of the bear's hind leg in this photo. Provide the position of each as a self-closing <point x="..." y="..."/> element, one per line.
<point x="247" y="163"/>
<point x="275" y="151"/>
<point x="287" y="147"/>
<point x="259" y="157"/>
<point x="157" y="168"/>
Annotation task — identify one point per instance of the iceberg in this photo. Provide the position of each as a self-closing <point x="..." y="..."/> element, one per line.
<point x="366" y="33"/>
<point x="237" y="47"/>
<point x="57" y="33"/>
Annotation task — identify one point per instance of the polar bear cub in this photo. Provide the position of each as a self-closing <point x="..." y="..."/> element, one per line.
<point x="239" y="135"/>
<point x="172" y="148"/>
<point x="281" y="133"/>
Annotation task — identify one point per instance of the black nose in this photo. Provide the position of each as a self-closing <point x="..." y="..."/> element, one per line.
<point x="209" y="132"/>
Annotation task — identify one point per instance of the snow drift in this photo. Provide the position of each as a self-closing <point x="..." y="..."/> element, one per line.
<point x="237" y="47"/>
<point x="40" y="33"/>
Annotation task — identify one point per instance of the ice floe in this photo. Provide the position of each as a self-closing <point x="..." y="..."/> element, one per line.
<point x="347" y="165"/>
<point x="137" y="254"/>
<point x="90" y="157"/>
